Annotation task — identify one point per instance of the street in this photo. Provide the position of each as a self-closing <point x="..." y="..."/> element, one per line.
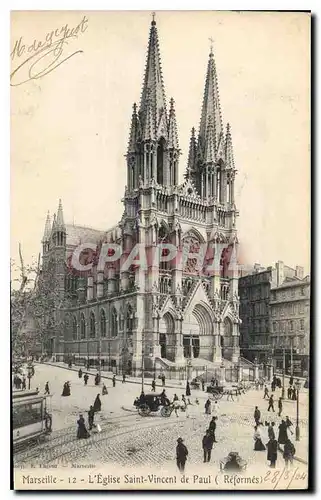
<point x="129" y="439"/>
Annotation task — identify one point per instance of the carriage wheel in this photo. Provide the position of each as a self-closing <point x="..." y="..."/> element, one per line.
<point x="166" y="411"/>
<point x="144" y="410"/>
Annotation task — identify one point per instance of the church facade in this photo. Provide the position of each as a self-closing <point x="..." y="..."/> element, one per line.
<point x="160" y="314"/>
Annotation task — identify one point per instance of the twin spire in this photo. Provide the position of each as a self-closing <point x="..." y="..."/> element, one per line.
<point x="58" y="224"/>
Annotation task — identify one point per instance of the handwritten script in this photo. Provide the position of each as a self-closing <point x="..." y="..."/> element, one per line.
<point x="44" y="55"/>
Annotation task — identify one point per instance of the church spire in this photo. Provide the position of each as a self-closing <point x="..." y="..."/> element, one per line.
<point x="47" y="231"/>
<point x="229" y="157"/>
<point x="211" y="106"/>
<point x="172" y="128"/>
<point x="134" y="131"/>
<point x="192" y="156"/>
<point x="60" y="217"/>
<point x="209" y="152"/>
<point x="153" y="94"/>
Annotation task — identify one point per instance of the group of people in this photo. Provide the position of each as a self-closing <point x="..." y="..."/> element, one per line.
<point x="82" y="432"/>
<point x="19" y="383"/>
<point x="266" y="431"/>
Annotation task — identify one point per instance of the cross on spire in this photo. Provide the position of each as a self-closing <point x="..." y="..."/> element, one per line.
<point x="153" y="16"/>
<point x="211" y="44"/>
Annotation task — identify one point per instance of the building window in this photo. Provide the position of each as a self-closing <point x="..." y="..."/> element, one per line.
<point x="114" y="323"/>
<point x="302" y="291"/>
<point x="103" y="323"/>
<point x="301" y="324"/>
<point x="129" y="319"/>
<point x="92" y="325"/>
<point x="82" y="327"/>
<point x="291" y="326"/>
<point x="74" y="328"/>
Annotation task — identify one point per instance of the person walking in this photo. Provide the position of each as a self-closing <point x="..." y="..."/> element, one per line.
<point x="24" y="386"/>
<point x="289" y="392"/>
<point x="212" y="428"/>
<point x="97" y="379"/>
<point x="97" y="403"/>
<point x="258" y="444"/>
<point x="280" y="406"/>
<point x="181" y="455"/>
<point x="80" y="373"/>
<point x="114" y="381"/>
<point x="288" y="452"/>
<point x="82" y="432"/>
<point x="257" y="415"/>
<point x="203" y="385"/>
<point x="208" y="405"/>
<point x="153" y="385"/>
<point x="86" y="377"/>
<point x="288" y="424"/>
<point x="104" y="390"/>
<point x="47" y="391"/>
<point x="266" y="392"/>
<point x="272" y="452"/>
<point x="176" y="405"/>
<point x="188" y="389"/>
<point x="207" y="445"/>
<point x="124" y="378"/>
<point x="163" y="380"/>
<point x="271" y="403"/>
<point x="283" y="435"/>
<point x="91" y="417"/>
<point x="271" y="432"/>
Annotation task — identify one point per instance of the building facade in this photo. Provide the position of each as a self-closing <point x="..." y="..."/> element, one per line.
<point x="130" y="316"/>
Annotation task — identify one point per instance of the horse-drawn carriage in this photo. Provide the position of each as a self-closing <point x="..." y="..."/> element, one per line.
<point x="151" y="403"/>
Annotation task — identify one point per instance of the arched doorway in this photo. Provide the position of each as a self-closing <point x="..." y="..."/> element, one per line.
<point x="166" y="336"/>
<point x="198" y="333"/>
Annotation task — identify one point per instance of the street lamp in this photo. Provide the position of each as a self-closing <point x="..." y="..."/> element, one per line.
<point x="143" y="364"/>
<point x="30" y="374"/>
<point x="297" y="428"/>
<point x="283" y="376"/>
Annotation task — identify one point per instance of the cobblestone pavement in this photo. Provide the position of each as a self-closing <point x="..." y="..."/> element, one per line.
<point x="129" y="439"/>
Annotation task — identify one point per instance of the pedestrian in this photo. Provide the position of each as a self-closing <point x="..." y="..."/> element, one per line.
<point x="104" y="390"/>
<point x="70" y="364"/>
<point x="203" y="385"/>
<point x="212" y="428"/>
<point x="291" y="380"/>
<point x="181" y="455"/>
<point x="208" y="407"/>
<point x="80" y="373"/>
<point x="114" y="381"/>
<point x="271" y="432"/>
<point x="88" y="365"/>
<point x="283" y="435"/>
<point x="97" y="403"/>
<point x="66" y="389"/>
<point x="272" y="452"/>
<point x="188" y="389"/>
<point x="97" y="379"/>
<point x="280" y="406"/>
<point x="266" y="392"/>
<point x="294" y="394"/>
<point x="184" y="403"/>
<point x="258" y="445"/>
<point x="124" y="378"/>
<point x="257" y="415"/>
<point x="24" y="386"/>
<point x="288" y="452"/>
<point x="82" y="432"/>
<point x="163" y="380"/>
<point x="175" y="398"/>
<point x="91" y="417"/>
<point x="288" y="424"/>
<point x="207" y="444"/>
<point x="271" y="403"/>
<point x="176" y="405"/>
<point x="289" y="392"/>
<point x="164" y="399"/>
<point x="47" y="391"/>
<point x="86" y="377"/>
<point x="153" y="385"/>
<point x="215" y="409"/>
<point x="273" y="384"/>
<point x="257" y="384"/>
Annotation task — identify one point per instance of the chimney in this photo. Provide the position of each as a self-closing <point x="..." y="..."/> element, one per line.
<point x="279" y="272"/>
<point x="299" y="271"/>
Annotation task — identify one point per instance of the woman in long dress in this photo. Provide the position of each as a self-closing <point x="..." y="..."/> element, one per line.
<point x="82" y="432"/>
<point x="258" y="445"/>
<point x="97" y="403"/>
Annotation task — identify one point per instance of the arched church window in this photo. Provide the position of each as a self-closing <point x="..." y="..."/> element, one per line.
<point x="129" y="319"/>
<point x="74" y="328"/>
<point x="103" y="323"/>
<point x="82" y="327"/>
<point x="92" y="325"/>
<point x="114" y="323"/>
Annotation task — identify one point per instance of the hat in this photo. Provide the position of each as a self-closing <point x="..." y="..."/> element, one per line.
<point x="180" y="440"/>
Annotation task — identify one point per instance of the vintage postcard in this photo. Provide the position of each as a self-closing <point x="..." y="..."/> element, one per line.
<point x="160" y="244"/>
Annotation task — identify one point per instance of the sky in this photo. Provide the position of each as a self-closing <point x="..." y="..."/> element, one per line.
<point x="70" y="128"/>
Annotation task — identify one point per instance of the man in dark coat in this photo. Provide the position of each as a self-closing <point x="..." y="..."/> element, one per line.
<point x="124" y="378"/>
<point x="80" y="373"/>
<point x="82" y="432"/>
<point x="207" y="444"/>
<point x="188" y="389"/>
<point x="291" y="380"/>
<point x="257" y="415"/>
<point x="283" y="435"/>
<point x="97" y="379"/>
<point x="91" y="416"/>
<point x="114" y="381"/>
<point x="163" y="380"/>
<point x="153" y="385"/>
<point x="164" y="399"/>
<point x="97" y="403"/>
<point x="288" y="452"/>
<point x="271" y="432"/>
<point x="181" y="455"/>
<point x="66" y="389"/>
<point x="294" y="393"/>
<point x="212" y="428"/>
<point x="203" y="385"/>
<point x="288" y="424"/>
<point x="271" y="403"/>
<point x="47" y="391"/>
<point x="86" y="377"/>
<point x="289" y="392"/>
<point x="266" y="392"/>
<point x="280" y="406"/>
<point x="272" y="452"/>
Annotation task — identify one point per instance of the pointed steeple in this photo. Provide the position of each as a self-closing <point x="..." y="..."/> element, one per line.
<point x="134" y="130"/>
<point x="54" y="224"/>
<point x="60" y="217"/>
<point x="229" y="157"/>
<point x="172" y="128"/>
<point x="211" y="106"/>
<point x="209" y="152"/>
<point x="192" y="156"/>
<point x="153" y="94"/>
<point x="47" y="231"/>
<point x="149" y="124"/>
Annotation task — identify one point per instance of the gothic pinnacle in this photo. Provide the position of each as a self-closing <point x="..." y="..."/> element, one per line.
<point x="47" y="231"/>
<point x="60" y="217"/>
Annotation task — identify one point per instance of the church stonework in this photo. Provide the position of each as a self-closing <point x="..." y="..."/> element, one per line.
<point x="166" y="316"/>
